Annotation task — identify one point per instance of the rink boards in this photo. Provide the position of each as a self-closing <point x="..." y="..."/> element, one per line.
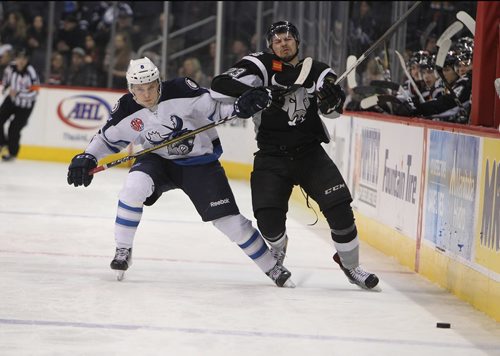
<point x="426" y="194"/>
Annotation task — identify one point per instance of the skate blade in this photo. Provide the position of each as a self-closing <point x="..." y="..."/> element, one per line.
<point x="289" y="284"/>
<point x="374" y="289"/>
<point x="120" y="275"/>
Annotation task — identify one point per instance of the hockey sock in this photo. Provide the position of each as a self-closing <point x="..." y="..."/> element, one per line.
<point x="278" y="242"/>
<point x="344" y="234"/>
<point x="348" y="253"/>
<point x="240" y="230"/>
<point x="127" y="220"/>
<point x="138" y="186"/>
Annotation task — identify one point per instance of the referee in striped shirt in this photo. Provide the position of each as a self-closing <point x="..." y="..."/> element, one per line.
<point x="18" y="80"/>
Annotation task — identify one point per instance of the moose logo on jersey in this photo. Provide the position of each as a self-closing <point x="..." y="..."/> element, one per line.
<point x="169" y="132"/>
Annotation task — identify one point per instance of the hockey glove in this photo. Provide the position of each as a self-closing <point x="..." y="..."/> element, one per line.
<point x="78" y="171"/>
<point x="331" y="97"/>
<point x="277" y="94"/>
<point x="252" y="101"/>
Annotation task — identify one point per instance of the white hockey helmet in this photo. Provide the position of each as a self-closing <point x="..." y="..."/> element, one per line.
<point x="141" y="71"/>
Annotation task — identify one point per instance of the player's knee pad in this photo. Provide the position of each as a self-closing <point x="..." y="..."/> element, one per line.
<point x="238" y="228"/>
<point x="271" y="222"/>
<point x="341" y="221"/>
<point x="138" y="186"/>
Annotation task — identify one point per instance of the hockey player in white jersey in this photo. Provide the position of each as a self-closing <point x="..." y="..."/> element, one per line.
<point x="153" y="112"/>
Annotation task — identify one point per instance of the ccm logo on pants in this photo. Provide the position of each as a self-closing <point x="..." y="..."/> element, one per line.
<point x="335" y="188"/>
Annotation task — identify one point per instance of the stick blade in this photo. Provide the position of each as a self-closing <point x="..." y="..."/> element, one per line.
<point x="468" y="21"/>
<point x="351" y="77"/>
<point x="451" y="31"/>
<point x="369" y="102"/>
<point x="443" y="51"/>
<point x="304" y="72"/>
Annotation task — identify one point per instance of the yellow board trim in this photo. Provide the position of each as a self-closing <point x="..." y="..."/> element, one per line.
<point x="233" y="170"/>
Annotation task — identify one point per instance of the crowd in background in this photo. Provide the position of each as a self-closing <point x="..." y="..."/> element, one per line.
<point x="84" y="54"/>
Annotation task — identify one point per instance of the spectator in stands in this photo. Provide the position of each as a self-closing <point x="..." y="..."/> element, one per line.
<point x="373" y="72"/>
<point x="69" y="36"/>
<point x="239" y="49"/>
<point x="14" y="30"/>
<point x="93" y="53"/>
<point x="37" y="44"/>
<point x="362" y="30"/>
<point x="191" y="68"/>
<point x="80" y="73"/>
<point x="208" y="60"/>
<point x="58" y="68"/>
<point x="118" y="61"/>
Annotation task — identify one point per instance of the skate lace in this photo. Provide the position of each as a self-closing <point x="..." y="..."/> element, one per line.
<point x="359" y="274"/>
<point x="122" y="254"/>
<point x="278" y="253"/>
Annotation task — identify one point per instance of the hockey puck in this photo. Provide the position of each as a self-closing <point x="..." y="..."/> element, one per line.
<point x="443" y="325"/>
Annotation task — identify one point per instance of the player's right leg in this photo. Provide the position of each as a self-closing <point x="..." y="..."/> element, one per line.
<point x="138" y="186"/>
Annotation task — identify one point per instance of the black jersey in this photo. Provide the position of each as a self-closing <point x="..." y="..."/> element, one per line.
<point x="297" y="122"/>
<point x="444" y="107"/>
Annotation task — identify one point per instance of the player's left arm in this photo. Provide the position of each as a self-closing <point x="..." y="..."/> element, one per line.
<point x="330" y="96"/>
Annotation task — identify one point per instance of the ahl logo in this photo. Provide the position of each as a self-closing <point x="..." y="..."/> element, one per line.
<point x="86" y="112"/>
<point x="137" y="124"/>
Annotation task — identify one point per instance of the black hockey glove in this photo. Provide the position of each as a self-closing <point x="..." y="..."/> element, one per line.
<point x="331" y="97"/>
<point x="252" y="101"/>
<point x="78" y="171"/>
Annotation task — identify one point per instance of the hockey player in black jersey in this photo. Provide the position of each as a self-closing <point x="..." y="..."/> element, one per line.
<point x="289" y="133"/>
<point x="153" y="112"/>
<point x="445" y="106"/>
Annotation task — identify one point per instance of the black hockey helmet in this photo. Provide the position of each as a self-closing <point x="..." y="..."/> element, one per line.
<point x="418" y="57"/>
<point x="282" y="27"/>
<point x="451" y="59"/>
<point x="428" y="62"/>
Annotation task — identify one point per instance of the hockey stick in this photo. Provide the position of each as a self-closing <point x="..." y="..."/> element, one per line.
<point x="351" y="78"/>
<point x="369" y="102"/>
<point x="369" y="90"/>
<point x="468" y="21"/>
<point x="440" y="59"/>
<point x="387" y="33"/>
<point x="385" y="84"/>
<point x="161" y="145"/>
<point x="408" y="75"/>
<point x="451" y="31"/>
<point x="304" y="72"/>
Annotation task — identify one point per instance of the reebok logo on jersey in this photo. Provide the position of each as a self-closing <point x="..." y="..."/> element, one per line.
<point x="220" y="202"/>
<point x="277" y="66"/>
<point x="334" y="189"/>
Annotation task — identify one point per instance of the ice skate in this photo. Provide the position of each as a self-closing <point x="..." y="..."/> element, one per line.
<point x="358" y="276"/>
<point x="121" y="262"/>
<point x="281" y="276"/>
<point x="279" y="253"/>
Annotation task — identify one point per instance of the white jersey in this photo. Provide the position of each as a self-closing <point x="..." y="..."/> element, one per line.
<point x="183" y="107"/>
